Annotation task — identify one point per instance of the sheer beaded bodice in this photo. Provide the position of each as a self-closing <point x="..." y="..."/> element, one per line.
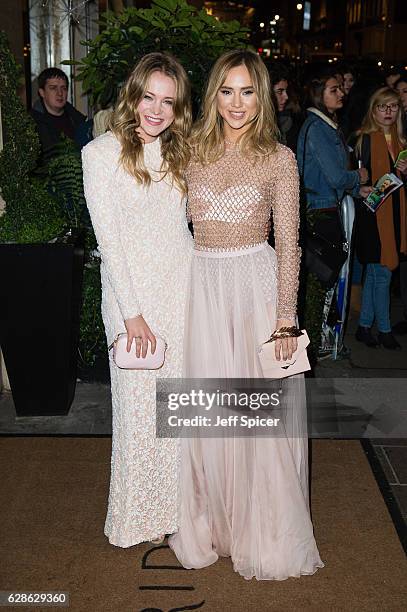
<point x="230" y="203"/>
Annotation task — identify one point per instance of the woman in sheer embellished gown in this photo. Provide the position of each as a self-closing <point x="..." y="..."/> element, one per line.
<point x="246" y="498"/>
<point x="134" y="188"/>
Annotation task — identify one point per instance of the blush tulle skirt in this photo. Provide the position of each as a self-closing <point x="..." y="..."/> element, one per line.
<point x="246" y="498"/>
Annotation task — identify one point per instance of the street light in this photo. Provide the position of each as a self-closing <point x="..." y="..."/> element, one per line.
<point x="262" y="24"/>
<point x="299" y="7"/>
<point x="276" y="17"/>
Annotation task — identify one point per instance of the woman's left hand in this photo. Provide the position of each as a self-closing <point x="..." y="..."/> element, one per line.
<point x="285" y="347"/>
<point x="402" y="166"/>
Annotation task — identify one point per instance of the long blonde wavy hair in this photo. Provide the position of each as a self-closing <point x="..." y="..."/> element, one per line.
<point x="125" y="120"/>
<point x="207" y="139"/>
<point x="384" y="95"/>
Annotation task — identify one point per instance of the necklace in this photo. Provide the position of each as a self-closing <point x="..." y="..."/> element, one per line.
<point x="230" y="144"/>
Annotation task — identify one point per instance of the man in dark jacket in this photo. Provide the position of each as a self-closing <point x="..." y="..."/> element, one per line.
<point x="53" y="115"/>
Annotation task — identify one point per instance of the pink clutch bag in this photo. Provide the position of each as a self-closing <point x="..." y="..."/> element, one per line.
<point x="130" y="361"/>
<point x="281" y="369"/>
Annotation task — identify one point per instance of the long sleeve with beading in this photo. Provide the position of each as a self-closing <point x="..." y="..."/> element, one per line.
<point x="98" y="176"/>
<point x="285" y="204"/>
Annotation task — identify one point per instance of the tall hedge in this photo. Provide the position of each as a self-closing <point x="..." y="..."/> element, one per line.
<point x="31" y="214"/>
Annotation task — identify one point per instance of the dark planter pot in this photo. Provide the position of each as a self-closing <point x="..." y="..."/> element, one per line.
<point x="40" y="299"/>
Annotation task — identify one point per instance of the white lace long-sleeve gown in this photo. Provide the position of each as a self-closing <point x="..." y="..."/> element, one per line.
<point x="246" y="498"/>
<point x="145" y="247"/>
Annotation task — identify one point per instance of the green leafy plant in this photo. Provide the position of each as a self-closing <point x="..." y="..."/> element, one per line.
<point x="192" y="35"/>
<point x="31" y="213"/>
<point x="92" y="341"/>
<point x="65" y="183"/>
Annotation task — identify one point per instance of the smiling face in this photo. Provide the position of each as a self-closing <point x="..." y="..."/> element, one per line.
<point x="236" y="102"/>
<point x="280" y="91"/>
<point x="54" y="94"/>
<point x="333" y="95"/>
<point x="156" y="109"/>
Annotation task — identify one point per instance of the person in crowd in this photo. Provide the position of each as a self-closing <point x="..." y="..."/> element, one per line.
<point x="348" y="79"/>
<point x="339" y="77"/>
<point x="401" y="87"/>
<point x="324" y="164"/>
<point x="391" y="76"/>
<point x="288" y="110"/>
<point x="381" y="238"/>
<point x="135" y="192"/>
<point x="347" y="83"/>
<point x="54" y="116"/>
<point x="322" y="154"/>
<point x="246" y="498"/>
<point x="355" y="102"/>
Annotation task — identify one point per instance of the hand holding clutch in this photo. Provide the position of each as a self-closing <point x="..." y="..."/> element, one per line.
<point x="130" y="361"/>
<point x="273" y="368"/>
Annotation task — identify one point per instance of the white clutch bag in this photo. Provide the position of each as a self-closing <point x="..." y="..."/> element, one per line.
<point x="130" y="361"/>
<point x="272" y="368"/>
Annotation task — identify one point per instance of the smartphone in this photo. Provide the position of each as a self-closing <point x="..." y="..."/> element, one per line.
<point x="401" y="156"/>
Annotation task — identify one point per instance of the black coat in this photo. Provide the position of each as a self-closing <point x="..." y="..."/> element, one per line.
<point x="48" y="134"/>
<point x="366" y="232"/>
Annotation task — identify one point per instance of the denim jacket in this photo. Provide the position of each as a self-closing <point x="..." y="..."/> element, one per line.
<point x="325" y="172"/>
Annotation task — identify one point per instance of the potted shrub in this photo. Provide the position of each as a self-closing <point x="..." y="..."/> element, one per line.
<point x="41" y="267"/>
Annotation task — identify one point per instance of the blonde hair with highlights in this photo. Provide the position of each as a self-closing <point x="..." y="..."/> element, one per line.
<point x="384" y="95"/>
<point x="125" y="120"/>
<point x="207" y="140"/>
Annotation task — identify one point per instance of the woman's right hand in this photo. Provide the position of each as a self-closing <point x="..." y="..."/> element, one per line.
<point x="402" y="166"/>
<point x="364" y="191"/>
<point x="137" y="328"/>
<point x="363" y="175"/>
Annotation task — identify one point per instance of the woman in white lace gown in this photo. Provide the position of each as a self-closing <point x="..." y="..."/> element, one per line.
<point x="133" y="178"/>
<point x="246" y="498"/>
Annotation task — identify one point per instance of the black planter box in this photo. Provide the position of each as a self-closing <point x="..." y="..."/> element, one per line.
<point x="40" y="299"/>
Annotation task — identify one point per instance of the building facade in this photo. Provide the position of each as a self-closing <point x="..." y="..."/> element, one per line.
<point x="377" y="29"/>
